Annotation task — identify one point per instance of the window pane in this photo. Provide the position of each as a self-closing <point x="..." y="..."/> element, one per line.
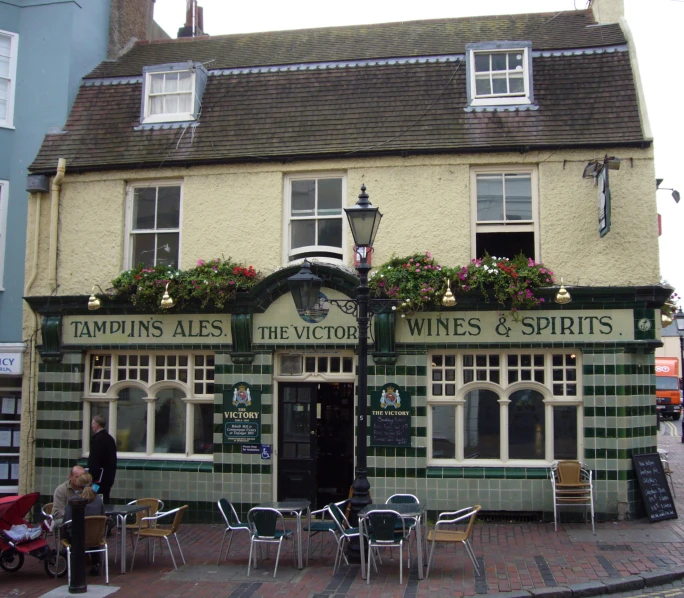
<point x="203" y="428"/>
<point x="131" y="426"/>
<point x="157" y="83"/>
<point x="185" y="103"/>
<point x="499" y="84"/>
<point x="143" y="250"/>
<point x="171" y="104"/>
<point x="482" y="85"/>
<point x="526" y="425"/>
<point x="515" y="61"/>
<point x="482" y="62"/>
<point x="167" y="249"/>
<point x="330" y="232"/>
<point x="443" y="432"/>
<point x="303" y="233"/>
<point x="156" y="105"/>
<point x="185" y="81"/>
<point x="565" y="432"/>
<point x="168" y="207"/>
<point x="171" y="82"/>
<point x="498" y="62"/>
<point x="169" y="423"/>
<point x="144" y="203"/>
<point x="489" y="198"/>
<point x="329" y="197"/>
<point x="518" y="197"/>
<point x="516" y="84"/>
<point x="303" y="198"/>
<point x="482" y="425"/>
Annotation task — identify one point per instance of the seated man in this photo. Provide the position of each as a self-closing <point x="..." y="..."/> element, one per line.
<point x="65" y="492"/>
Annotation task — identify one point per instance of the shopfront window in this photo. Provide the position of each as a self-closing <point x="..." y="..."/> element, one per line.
<point x="513" y="407"/>
<point x="156" y="404"/>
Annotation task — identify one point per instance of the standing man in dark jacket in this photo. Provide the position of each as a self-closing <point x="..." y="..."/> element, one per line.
<point x="102" y="458"/>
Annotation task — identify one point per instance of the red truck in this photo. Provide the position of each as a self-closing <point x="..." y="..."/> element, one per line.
<point x="668" y="387"/>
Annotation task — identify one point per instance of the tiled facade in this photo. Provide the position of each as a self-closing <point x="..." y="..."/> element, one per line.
<point x="618" y="416"/>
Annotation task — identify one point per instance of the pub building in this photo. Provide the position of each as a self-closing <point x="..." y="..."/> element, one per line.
<point x="255" y="400"/>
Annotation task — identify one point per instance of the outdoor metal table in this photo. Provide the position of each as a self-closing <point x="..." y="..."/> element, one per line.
<point x="406" y="510"/>
<point x="295" y="507"/>
<point x="121" y="512"/>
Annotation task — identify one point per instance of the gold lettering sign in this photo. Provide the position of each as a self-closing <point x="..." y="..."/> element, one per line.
<point x="534" y="326"/>
<point x="143" y="329"/>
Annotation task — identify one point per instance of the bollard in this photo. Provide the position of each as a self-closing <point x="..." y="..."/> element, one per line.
<point x="77" y="583"/>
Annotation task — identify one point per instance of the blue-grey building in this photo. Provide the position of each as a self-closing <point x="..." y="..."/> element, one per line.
<point x="45" y="50"/>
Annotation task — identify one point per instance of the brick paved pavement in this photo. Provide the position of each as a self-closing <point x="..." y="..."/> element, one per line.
<point x="515" y="556"/>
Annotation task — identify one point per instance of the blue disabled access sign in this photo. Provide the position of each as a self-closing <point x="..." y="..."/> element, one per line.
<point x="242" y="415"/>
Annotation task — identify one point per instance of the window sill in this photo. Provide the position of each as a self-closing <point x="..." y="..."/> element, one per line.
<point x="168" y="118"/>
<point x="194" y="464"/>
<point x="11" y="127"/>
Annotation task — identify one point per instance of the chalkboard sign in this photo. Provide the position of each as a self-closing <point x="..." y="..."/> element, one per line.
<point x="654" y="488"/>
<point x="390" y="417"/>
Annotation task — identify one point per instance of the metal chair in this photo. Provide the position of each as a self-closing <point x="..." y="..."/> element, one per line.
<point x="409" y="522"/>
<point x="450" y="536"/>
<point x="267" y="526"/>
<point x="95" y="542"/>
<point x="154" y="530"/>
<point x="382" y="531"/>
<point x="154" y="506"/>
<point x="233" y="524"/>
<point x="572" y="486"/>
<point x="321" y="525"/>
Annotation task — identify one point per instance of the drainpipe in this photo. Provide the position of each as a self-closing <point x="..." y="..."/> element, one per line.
<point x="36" y="239"/>
<point x="54" y="221"/>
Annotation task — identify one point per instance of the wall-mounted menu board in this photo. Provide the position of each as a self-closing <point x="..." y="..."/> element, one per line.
<point x="654" y="488"/>
<point x="390" y="417"/>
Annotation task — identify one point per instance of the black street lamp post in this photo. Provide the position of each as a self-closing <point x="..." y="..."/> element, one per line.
<point x="364" y="220"/>
<point x="679" y="319"/>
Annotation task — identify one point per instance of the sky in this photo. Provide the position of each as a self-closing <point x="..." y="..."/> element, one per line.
<point x="655" y="24"/>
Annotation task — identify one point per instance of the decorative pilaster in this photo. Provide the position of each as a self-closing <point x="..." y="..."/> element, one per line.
<point x="241" y="329"/>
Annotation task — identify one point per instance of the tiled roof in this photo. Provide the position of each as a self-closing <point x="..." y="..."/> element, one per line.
<point x="580" y="99"/>
<point x="546" y="31"/>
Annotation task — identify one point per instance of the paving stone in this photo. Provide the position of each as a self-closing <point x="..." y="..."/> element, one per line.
<point x="625" y="584"/>
<point x="559" y="592"/>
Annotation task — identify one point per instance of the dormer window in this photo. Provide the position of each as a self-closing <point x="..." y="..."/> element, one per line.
<point x="499" y="73"/>
<point x="172" y="92"/>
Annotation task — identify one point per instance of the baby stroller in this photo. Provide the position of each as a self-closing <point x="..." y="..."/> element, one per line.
<point x="13" y="510"/>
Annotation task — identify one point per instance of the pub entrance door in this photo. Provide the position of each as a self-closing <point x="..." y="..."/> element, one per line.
<point x="315" y="441"/>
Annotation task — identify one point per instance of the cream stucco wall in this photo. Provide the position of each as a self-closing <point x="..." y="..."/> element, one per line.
<point x="236" y="211"/>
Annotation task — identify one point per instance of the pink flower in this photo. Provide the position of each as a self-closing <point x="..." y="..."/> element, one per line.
<point x="429" y="255"/>
<point x="200" y="262"/>
<point x="417" y="269"/>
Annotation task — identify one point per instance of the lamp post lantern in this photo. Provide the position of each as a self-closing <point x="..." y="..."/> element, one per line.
<point x="679" y="320"/>
<point x="364" y="220"/>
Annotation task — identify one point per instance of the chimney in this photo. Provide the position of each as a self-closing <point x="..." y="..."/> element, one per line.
<point x="194" y="21"/>
<point x="128" y="19"/>
<point x="608" y="11"/>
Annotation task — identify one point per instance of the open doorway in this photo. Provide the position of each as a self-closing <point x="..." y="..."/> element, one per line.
<point x="316" y="441"/>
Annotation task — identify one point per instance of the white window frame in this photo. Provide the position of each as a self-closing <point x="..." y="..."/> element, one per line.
<point x="152" y="389"/>
<point x="508" y="99"/>
<point x="169" y="116"/>
<point x="4" y="201"/>
<point x="287" y="195"/>
<point x="504" y="390"/>
<point x="510" y="226"/>
<point x="8" y="121"/>
<point x="130" y="232"/>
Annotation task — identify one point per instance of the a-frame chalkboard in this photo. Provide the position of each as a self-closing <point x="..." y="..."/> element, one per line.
<point x="654" y="489"/>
